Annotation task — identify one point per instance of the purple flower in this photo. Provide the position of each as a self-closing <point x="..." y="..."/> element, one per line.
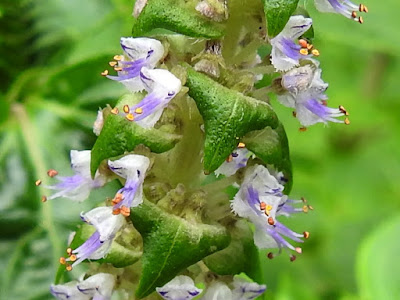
<point x="305" y="92"/>
<point x="138" y="53"/>
<point x="343" y="7"/>
<point x="96" y="287"/>
<point x="260" y="199"/>
<point x="99" y="243"/>
<point x="78" y="186"/>
<point x="285" y="53"/>
<point x="133" y="168"/>
<point x="179" y="288"/>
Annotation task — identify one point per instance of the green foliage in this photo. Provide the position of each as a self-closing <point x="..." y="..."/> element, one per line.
<point x="171" y="244"/>
<point x="176" y="16"/>
<point x="228" y="115"/>
<point x="277" y="13"/>
<point x="120" y="135"/>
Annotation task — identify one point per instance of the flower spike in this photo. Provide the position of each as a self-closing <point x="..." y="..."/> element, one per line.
<point x="78" y="186"/>
<point x="285" y="53"/>
<point x="133" y="168"/>
<point x="138" y="53"/>
<point x="344" y="7"/>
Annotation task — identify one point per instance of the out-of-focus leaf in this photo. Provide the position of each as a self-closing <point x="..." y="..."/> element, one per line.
<point x="377" y="263"/>
<point x="228" y="115"/>
<point x="177" y="16"/>
<point x="120" y="135"/>
<point x="277" y="13"/>
<point x="171" y="244"/>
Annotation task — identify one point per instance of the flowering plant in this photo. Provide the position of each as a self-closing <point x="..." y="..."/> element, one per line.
<point x="200" y="155"/>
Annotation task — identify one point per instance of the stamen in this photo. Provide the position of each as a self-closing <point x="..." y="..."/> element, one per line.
<point x="303" y="51"/>
<point x="126" y="109"/>
<point x="115" y="111"/>
<point x="118" y="57"/>
<point x="112" y="63"/>
<point x="129" y="117"/>
<point x="38" y="182"/>
<point x="69" y="251"/>
<point x="104" y="73"/>
<point x="62" y="260"/>
<point x="310" y="46"/>
<point x="52" y="173"/>
<point x="347" y="121"/>
<point x="324" y="102"/>
<point x="138" y="110"/>
<point x="292" y="258"/>
<point x="343" y="110"/>
<point x="298" y="250"/>
<point x="353" y="14"/>
<point x="306" y="234"/>
<point x="241" y="145"/>
<point x="68" y="267"/>
<point x="125" y="211"/>
<point x="263" y="205"/>
<point x="269" y="207"/>
<point x="303" y="129"/>
<point x="303" y="199"/>
<point x="267" y="212"/>
<point x="270" y="255"/>
<point x="294" y="114"/>
<point x="303" y="43"/>
<point x="310" y="207"/>
<point x="271" y="221"/>
<point x="116" y="211"/>
<point x="230" y="158"/>
<point x="305" y="208"/>
<point x="363" y="8"/>
<point x="360" y="20"/>
<point x="44" y="199"/>
<point x="73" y="257"/>
<point x="315" y="52"/>
<point x="118" y="69"/>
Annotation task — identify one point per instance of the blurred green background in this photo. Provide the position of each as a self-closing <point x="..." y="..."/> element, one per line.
<point x="52" y="52"/>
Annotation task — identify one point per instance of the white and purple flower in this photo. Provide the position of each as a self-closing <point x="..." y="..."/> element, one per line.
<point x="260" y="199"/>
<point x="162" y="86"/>
<point x="242" y="290"/>
<point x="99" y="243"/>
<point x="237" y="160"/>
<point x="96" y="287"/>
<point x="78" y="186"/>
<point x="306" y="94"/>
<point x="179" y="288"/>
<point x="133" y="168"/>
<point x="286" y="53"/>
<point x="138" y="53"/>
<point x="343" y="7"/>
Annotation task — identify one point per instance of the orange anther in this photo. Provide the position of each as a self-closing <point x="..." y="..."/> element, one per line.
<point x="52" y="173"/>
<point x="306" y="234"/>
<point x="305" y="208"/>
<point x="303" y="43"/>
<point x="116" y="211"/>
<point x="293" y="258"/>
<point x="126" y="109"/>
<point x="270" y="255"/>
<point x="44" y="199"/>
<point x="112" y="63"/>
<point x="230" y="158"/>
<point x="347" y="121"/>
<point x="298" y="250"/>
<point x="271" y="221"/>
<point x="139" y="110"/>
<point x="115" y="111"/>
<point x="360" y="20"/>
<point x="303" y="51"/>
<point x="241" y="145"/>
<point x="62" y="260"/>
<point x="130" y="117"/>
<point x="302" y="129"/>
<point x="118" y="57"/>
<point x="118" y="69"/>
<point x="263" y="205"/>
<point x="315" y="52"/>
<point x="68" y="268"/>
<point x="73" y="257"/>
<point x="69" y="251"/>
<point x="353" y="14"/>
<point x="104" y="73"/>
<point x="38" y="182"/>
<point x="363" y="8"/>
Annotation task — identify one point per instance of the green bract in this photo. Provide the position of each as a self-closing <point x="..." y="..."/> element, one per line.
<point x="171" y="244"/>
<point x="228" y="115"/>
<point x="277" y="13"/>
<point x="177" y="16"/>
<point x="120" y="135"/>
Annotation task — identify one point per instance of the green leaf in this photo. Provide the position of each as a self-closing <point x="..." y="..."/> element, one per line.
<point x="120" y="135"/>
<point x="228" y="115"/>
<point x="377" y="264"/>
<point x="119" y="256"/>
<point x="272" y="147"/>
<point x="177" y="16"/>
<point x="277" y="13"/>
<point x="171" y="244"/>
<point x="240" y="256"/>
